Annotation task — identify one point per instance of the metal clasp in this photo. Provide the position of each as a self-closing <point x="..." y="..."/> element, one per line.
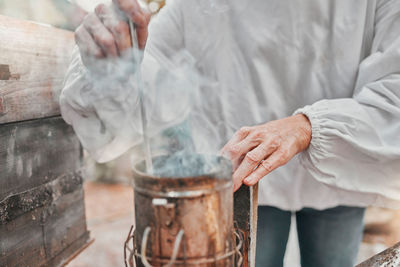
<point x="165" y="211"/>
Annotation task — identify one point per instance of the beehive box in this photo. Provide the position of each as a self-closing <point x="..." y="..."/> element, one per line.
<point x="42" y="214"/>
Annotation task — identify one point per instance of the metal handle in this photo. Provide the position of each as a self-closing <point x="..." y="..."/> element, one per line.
<point x="146" y="143"/>
<point x="133" y="255"/>
<point x="174" y="252"/>
<point x="134" y="37"/>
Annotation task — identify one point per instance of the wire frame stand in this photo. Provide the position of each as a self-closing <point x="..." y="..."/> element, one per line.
<point x="132" y="255"/>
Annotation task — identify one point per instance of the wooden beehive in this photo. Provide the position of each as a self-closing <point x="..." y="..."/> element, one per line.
<point x="42" y="214"/>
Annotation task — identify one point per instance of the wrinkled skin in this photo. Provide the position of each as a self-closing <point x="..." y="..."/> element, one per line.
<point x="258" y="150"/>
<point x="105" y="33"/>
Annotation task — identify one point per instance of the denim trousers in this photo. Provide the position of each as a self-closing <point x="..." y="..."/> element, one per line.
<point x="327" y="238"/>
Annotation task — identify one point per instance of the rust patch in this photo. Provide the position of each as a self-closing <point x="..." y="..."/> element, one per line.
<point x="4" y="72"/>
<point x="15" y="77"/>
<point x="2" y="106"/>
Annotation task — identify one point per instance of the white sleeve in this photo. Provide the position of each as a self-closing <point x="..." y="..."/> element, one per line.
<point x="355" y="142"/>
<point x="101" y="122"/>
<point x="104" y="110"/>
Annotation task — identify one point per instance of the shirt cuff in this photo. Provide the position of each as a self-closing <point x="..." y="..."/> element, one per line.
<point x="315" y="121"/>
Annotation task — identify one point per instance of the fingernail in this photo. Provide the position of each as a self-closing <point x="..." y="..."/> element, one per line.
<point x="249" y="180"/>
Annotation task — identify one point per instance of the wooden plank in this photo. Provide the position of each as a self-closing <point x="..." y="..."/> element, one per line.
<point x="48" y="194"/>
<point x="22" y="241"/>
<point x="70" y="252"/>
<point x="42" y="215"/>
<point x="65" y="223"/>
<point x="245" y="216"/>
<point x="388" y="257"/>
<point x="33" y="153"/>
<point x="49" y="234"/>
<point x="33" y="62"/>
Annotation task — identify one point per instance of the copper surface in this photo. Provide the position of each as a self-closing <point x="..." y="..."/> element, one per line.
<point x="201" y="207"/>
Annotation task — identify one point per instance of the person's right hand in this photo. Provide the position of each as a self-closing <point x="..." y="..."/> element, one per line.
<point x="105" y="33"/>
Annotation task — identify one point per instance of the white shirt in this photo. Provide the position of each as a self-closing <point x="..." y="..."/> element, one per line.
<point x="338" y="62"/>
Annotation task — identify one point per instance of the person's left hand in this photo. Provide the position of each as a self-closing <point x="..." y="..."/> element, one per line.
<point x="258" y="150"/>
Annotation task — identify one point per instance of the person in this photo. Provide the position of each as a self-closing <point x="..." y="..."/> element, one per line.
<point x="313" y="93"/>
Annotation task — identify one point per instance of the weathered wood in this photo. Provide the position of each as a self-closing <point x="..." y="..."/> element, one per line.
<point x="245" y="216"/>
<point x="33" y="61"/>
<point x="35" y="152"/>
<point x="49" y="234"/>
<point x="42" y="215"/>
<point x="15" y="205"/>
<point x="388" y="257"/>
<point x="65" y="222"/>
<point x="70" y="252"/>
<point x="22" y="240"/>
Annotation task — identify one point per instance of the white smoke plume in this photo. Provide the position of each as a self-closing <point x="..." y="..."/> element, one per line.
<point x="188" y="104"/>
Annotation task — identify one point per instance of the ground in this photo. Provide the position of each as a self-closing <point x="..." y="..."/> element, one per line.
<point x="109" y="214"/>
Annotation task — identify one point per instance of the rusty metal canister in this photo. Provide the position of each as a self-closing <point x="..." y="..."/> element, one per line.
<point x="184" y="221"/>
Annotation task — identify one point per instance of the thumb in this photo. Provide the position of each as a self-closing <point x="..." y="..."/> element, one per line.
<point x="142" y="30"/>
<point x="141" y="18"/>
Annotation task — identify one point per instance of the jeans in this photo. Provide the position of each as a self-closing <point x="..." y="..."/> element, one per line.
<point x="327" y="238"/>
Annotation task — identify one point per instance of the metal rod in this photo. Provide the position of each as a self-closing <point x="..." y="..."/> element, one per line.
<point x="146" y="143"/>
<point x="144" y="247"/>
<point x="236" y="251"/>
<point x="176" y="248"/>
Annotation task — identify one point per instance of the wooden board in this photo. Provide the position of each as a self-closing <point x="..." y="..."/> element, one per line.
<point x="35" y="152"/>
<point x="41" y="236"/>
<point x="42" y="215"/>
<point x="388" y="257"/>
<point x="33" y="62"/>
<point x="245" y="216"/>
<point x="26" y="232"/>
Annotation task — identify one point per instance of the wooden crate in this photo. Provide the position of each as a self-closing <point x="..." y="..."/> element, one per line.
<point x="42" y="214"/>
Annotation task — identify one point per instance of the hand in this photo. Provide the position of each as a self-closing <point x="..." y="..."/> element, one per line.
<point x="256" y="151"/>
<point x="105" y="33"/>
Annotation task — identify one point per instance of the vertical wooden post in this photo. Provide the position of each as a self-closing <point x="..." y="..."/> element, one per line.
<point x="245" y="215"/>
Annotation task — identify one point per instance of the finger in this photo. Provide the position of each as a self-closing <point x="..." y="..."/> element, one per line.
<point x="133" y="11"/>
<point x="141" y="18"/>
<point x="87" y="46"/>
<point x="101" y="35"/>
<point x="142" y="32"/>
<point x="236" y="186"/>
<point x="114" y="24"/>
<point x="244" y="146"/>
<point x="252" y="160"/>
<point x="230" y="150"/>
<point x="277" y="159"/>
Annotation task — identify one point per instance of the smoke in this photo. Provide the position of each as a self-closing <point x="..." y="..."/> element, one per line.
<point x="172" y="97"/>
<point x="187" y="85"/>
<point x="181" y="164"/>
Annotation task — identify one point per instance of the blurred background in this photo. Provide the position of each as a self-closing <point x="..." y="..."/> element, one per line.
<point x="108" y="194"/>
